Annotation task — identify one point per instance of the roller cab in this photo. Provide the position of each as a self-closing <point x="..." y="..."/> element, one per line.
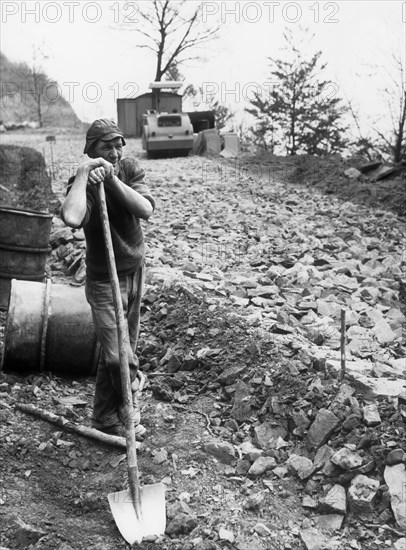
<point x="167" y="133"/>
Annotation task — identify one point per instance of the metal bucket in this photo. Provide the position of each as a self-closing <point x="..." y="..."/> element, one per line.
<point x="49" y="327"/>
<point x="24" y="240"/>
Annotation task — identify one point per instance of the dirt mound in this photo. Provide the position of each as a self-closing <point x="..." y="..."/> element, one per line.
<point x="328" y="174"/>
<point x="24" y="180"/>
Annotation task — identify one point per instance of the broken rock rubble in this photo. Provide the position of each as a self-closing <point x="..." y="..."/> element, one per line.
<point x="289" y="273"/>
<point x="395" y="478"/>
<point x="361" y="494"/>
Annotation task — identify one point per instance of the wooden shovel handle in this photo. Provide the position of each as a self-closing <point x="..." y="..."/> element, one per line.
<point x="122" y="331"/>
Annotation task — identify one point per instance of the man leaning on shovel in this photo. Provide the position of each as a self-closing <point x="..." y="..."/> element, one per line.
<point x="128" y="201"/>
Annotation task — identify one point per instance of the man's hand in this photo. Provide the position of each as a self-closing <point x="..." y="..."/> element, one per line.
<point x="89" y="173"/>
<point x="96" y="175"/>
<point x="86" y="167"/>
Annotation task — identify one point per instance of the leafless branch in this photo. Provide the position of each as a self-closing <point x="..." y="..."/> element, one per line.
<point x="169" y="31"/>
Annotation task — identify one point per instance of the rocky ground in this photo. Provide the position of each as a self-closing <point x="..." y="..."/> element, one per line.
<point x="259" y="440"/>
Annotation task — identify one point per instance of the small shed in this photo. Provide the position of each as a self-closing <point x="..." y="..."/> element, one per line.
<point x="130" y="110"/>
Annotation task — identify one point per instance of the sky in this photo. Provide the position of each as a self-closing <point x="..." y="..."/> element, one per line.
<point x="92" y="52"/>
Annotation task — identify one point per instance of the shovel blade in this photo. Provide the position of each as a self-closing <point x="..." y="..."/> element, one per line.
<point x="153" y="514"/>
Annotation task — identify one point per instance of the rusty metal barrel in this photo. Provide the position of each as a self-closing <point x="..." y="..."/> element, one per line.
<point x="49" y="327"/>
<point x="24" y="246"/>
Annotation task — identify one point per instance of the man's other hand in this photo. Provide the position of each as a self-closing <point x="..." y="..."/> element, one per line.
<point x="92" y="164"/>
<point x="96" y="175"/>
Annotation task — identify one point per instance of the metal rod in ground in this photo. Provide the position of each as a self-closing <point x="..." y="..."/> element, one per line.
<point x="52" y="162"/>
<point x="342" y="344"/>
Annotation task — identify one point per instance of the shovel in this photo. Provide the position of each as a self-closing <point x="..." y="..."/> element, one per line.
<point x="139" y="511"/>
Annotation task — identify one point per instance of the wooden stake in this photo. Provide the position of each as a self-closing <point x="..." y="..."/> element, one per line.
<point x="342" y="344"/>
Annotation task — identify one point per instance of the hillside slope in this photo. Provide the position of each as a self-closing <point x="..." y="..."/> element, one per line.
<point x="22" y="91"/>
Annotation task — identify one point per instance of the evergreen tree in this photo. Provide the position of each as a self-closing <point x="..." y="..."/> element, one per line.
<point x="300" y="111"/>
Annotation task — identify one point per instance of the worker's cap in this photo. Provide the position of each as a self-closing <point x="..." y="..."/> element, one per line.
<point x="103" y="129"/>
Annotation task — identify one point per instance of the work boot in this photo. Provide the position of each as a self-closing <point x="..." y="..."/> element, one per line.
<point x="136" y="388"/>
<point x="139" y="382"/>
<point x="136" y="417"/>
<point x="119" y="431"/>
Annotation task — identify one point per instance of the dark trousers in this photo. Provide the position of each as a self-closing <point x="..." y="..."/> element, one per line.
<point x="108" y="398"/>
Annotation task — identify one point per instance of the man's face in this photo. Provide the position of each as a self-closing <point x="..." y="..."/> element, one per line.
<point x="109" y="150"/>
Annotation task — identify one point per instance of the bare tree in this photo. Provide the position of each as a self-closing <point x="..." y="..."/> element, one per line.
<point x="39" y="82"/>
<point x="364" y="144"/>
<point x="395" y="98"/>
<point x="171" y="30"/>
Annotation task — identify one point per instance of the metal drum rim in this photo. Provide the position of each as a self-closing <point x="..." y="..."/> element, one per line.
<point x="35" y="278"/>
<point x="18" y="248"/>
<point x="24" y="212"/>
<point x="10" y="316"/>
